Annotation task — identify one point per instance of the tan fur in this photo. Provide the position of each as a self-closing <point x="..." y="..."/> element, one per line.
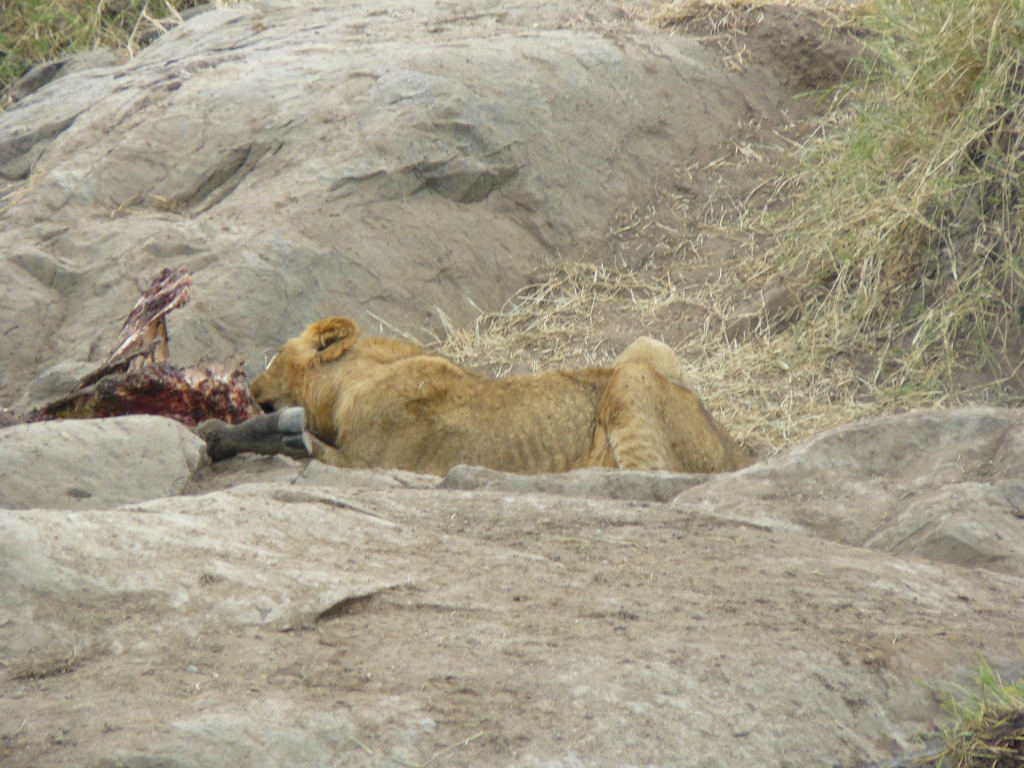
<point x="380" y="402"/>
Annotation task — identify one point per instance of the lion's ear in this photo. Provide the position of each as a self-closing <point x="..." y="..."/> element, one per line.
<point x="331" y="337"/>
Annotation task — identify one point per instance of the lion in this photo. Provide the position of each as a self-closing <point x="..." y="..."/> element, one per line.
<point x="372" y="401"/>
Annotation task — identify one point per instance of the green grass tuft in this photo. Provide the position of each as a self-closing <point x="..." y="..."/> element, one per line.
<point x="35" y="31"/>
<point x="988" y="725"/>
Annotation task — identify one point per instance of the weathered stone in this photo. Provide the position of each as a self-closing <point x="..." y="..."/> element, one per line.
<point x="596" y="483"/>
<point x="45" y="73"/>
<point x="249" y="468"/>
<point x="411" y="163"/>
<point x="96" y="463"/>
<point x="54" y="383"/>
<point x="944" y="485"/>
<point x="275" y="625"/>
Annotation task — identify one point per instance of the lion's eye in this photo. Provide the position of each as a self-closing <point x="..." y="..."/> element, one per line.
<point x="270" y="362"/>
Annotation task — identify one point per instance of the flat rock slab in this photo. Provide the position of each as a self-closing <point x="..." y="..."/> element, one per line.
<point x="96" y="463"/>
<point x="293" y="614"/>
<point x="259" y="627"/>
<point x="393" y="163"/>
<point x="597" y="483"/>
<point x="945" y="485"/>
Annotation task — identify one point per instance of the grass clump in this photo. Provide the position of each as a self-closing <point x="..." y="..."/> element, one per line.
<point x="550" y="322"/>
<point x="912" y="210"/>
<point x="988" y="725"/>
<point x="35" y="31"/>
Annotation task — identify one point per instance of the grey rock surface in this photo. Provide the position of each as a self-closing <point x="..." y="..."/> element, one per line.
<point x="45" y="73"/>
<point x="247" y="469"/>
<point x="385" y="163"/>
<point x="944" y="485"/>
<point x="355" y="618"/>
<point x="597" y="483"/>
<point x="97" y="463"/>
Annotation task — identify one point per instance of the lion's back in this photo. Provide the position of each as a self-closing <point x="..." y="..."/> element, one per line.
<point x="429" y="413"/>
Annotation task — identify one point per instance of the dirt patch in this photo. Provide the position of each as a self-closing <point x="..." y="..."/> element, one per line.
<point x="806" y="46"/>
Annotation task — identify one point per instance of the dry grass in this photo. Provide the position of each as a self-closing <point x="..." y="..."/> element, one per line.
<point x="36" y="31"/>
<point x="910" y="211"/>
<point x="901" y="213"/>
<point x="768" y="389"/>
<point x="50" y="663"/>
<point x="724" y="24"/>
<point x="10" y="192"/>
<point x="548" y="323"/>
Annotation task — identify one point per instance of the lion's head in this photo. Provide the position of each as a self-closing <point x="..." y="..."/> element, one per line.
<point x="291" y="372"/>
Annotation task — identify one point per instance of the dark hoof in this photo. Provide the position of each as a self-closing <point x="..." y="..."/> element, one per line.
<point x="272" y="433"/>
<point x="297" y="446"/>
<point x="291" y="421"/>
<point x="214" y="433"/>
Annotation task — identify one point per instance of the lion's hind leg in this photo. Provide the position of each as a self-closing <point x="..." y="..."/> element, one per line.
<point x="650" y="418"/>
<point x="630" y="431"/>
<point x="658" y="356"/>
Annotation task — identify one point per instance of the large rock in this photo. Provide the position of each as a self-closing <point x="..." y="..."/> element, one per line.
<point x="945" y="485"/>
<point x="96" y="463"/>
<point x="301" y="160"/>
<point x="292" y="614"/>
